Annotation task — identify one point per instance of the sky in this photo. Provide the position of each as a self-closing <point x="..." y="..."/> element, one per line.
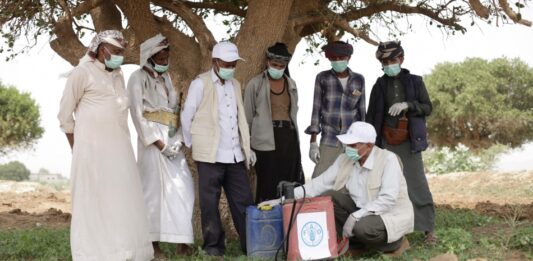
<point x="38" y="74"/>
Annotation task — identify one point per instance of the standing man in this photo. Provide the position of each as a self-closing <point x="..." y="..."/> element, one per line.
<point x="214" y="123"/>
<point x="339" y="100"/>
<point x="167" y="182"/>
<point x="399" y="105"/>
<point x="108" y="212"/>
<point x="271" y="104"/>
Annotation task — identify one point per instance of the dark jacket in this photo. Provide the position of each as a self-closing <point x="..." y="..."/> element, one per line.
<point x="417" y="98"/>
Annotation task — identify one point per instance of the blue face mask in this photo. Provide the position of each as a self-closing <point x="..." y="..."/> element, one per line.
<point x="339" y="66"/>
<point x="160" y="68"/>
<point x="226" y="73"/>
<point x="114" y="61"/>
<point x="275" y="73"/>
<point x="392" y="70"/>
<point x="352" y="153"/>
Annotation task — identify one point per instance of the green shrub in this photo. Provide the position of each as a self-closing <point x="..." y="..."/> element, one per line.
<point x="454" y="240"/>
<point x="523" y="240"/>
<point x="461" y="158"/>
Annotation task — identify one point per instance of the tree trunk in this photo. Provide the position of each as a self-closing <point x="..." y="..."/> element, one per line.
<point x="264" y="25"/>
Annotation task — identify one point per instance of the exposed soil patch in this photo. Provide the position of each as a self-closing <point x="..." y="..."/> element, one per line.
<point x="502" y="194"/>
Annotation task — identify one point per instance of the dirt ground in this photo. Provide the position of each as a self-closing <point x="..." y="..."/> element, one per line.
<point x="503" y="194"/>
<point x="28" y="204"/>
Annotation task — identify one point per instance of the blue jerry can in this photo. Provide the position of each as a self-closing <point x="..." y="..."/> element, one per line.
<point x="264" y="231"/>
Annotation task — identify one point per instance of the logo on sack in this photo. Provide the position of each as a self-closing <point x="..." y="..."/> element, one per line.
<point x="312" y="234"/>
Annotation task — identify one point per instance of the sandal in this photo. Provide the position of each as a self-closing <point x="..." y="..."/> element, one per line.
<point x="431" y="239"/>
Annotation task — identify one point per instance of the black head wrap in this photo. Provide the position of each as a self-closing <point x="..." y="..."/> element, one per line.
<point x="278" y="51"/>
<point x="389" y="50"/>
<point x="337" y="49"/>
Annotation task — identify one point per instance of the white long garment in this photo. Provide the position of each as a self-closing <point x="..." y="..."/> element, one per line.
<point x="108" y="211"/>
<point x="167" y="184"/>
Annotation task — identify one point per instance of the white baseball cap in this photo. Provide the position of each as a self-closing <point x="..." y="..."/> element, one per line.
<point x="359" y="132"/>
<point x="226" y="51"/>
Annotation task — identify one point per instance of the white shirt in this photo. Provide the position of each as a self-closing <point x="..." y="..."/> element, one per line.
<point x="357" y="185"/>
<point x="229" y="148"/>
<point x="344" y="82"/>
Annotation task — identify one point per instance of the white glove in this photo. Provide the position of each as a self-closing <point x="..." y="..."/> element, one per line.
<point x="397" y="108"/>
<point x="177" y="146"/>
<point x="253" y="158"/>
<point x="314" y="153"/>
<point x="347" y="229"/>
<point x="272" y="202"/>
<point x="169" y="151"/>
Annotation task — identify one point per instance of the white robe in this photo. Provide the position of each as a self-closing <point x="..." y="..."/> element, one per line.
<point x="167" y="184"/>
<point x="108" y="212"/>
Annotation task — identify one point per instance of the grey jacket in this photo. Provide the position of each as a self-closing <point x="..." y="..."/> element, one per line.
<point x="259" y="114"/>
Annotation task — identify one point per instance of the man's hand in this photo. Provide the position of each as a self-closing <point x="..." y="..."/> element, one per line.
<point x="70" y="138"/>
<point x="272" y="202"/>
<point x="253" y="158"/>
<point x="314" y="153"/>
<point x="177" y="145"/>
<point x="347" y="229"/>
<point x="169" y="151"/>
<point x="397" y="108"/>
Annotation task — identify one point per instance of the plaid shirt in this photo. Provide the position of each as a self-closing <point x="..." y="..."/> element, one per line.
<point x="334" y="109"/>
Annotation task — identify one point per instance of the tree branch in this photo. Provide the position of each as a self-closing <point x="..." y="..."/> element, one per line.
<point x="190" y="60"/>
<point x="343" y="24"/>
<point x="511" y="13"/>
<point x="67" y="44"/>
<point x="404" y="9"/>
<point x="316" y="18"/>
<point x="85" y="7"/>
<point x="106" y="16"/>
<point x="221" y="7"/>
<point x="479" y="9"/>
<point x="195" y="22"/>
<point x="140" y="19"/>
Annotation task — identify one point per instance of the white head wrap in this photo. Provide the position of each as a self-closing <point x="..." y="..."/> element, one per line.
<point x="151" y="47"/>
<point x="113" y="37"/>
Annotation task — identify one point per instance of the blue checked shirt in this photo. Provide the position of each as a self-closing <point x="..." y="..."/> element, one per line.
<point x="334" y="109"/>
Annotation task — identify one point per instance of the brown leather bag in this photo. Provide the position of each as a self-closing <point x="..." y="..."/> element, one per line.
<point x="395" y="136"/>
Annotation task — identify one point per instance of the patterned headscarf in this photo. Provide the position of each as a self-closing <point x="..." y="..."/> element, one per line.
<point x="278" y="51"/>
<point x="151" y="47"/>
<point x="389" y="50"/>
<point x="337" y="49"/>
<point x="113" y="37"/>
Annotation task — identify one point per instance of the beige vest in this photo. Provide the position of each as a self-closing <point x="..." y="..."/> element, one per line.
<point x="400" y="220"/>
<point x="205" y="128"/>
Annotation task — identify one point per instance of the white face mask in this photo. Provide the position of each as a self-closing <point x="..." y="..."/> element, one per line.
<point x="114" y="61"/>
<point x="275" y="73"/>
<point x="226" y="73"/>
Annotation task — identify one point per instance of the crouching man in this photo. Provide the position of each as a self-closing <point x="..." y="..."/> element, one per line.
<point x="369" y="193"/>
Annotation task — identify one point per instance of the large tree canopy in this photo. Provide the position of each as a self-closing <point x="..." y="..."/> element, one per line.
<point x="19" y="119"/>
<point x="253" y="25"/>
<point x="478" y="103"/>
